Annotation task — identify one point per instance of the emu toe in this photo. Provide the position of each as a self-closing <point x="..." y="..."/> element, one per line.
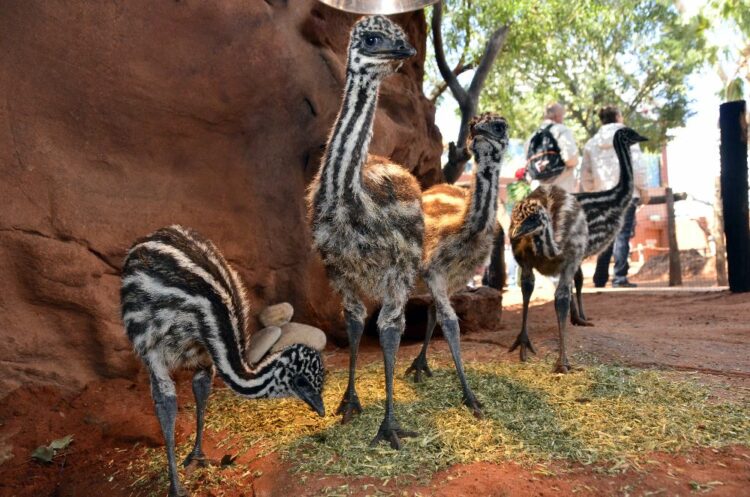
<point x="579" y="321"/>
<point x="419" y="366"/>
<point x="197" y="459"/>
<point x="523" y="344"/>
<point x="391" y="434"/>
<point x="562" y="368"/>
<point x="349" y="407"/>
<point x="178" y="491"/>
<point x="472" y="403"/>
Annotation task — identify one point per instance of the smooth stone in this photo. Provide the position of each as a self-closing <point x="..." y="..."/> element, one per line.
<point x="261" y="342"/>
<point x="292" y="333"/>
<point x="277" y="314"/>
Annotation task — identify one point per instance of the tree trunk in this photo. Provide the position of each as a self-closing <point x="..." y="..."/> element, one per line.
<point x="675" y="269"/>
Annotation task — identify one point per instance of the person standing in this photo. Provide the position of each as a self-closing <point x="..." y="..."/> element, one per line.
<point x="600" y="170"/>
<point x="553" y="147"/>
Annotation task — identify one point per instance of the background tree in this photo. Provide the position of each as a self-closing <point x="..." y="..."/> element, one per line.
<point x="733" y="65"/>
<point x="636" y="54"/>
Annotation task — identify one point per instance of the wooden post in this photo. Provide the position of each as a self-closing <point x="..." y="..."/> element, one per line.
<point x="721" y="247"/>
<point x="734" y="193"/>
<point x="675" y="269"/>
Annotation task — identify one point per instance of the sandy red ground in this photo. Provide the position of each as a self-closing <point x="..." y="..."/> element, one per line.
<point x="707" y="332"/>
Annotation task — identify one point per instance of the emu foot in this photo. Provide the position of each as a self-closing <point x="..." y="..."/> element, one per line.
<point x="349" y="406"/>
<point x="523" y="344"/>
<point x="472" y="403"/>
<point x="580" y="321"/>
<point x="391" y="433"/>
<point x="197" y="458"/>
<point x="177" y="490"/>
<point x="419" y="366"/>
<point x="562" y="367"/>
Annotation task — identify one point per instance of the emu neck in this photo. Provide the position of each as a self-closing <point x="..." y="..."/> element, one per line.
<point x="617" y="198"/>
<point x="347" y="147"/>
<point x="625" y="185"/>
<point x="238" y="375"/>
<point x="482" y="212"/>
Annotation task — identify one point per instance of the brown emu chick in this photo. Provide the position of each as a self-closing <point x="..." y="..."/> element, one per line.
<point x="460" y="229"/>
<point x="548" y="233"/>
<point x="367" y="218"/>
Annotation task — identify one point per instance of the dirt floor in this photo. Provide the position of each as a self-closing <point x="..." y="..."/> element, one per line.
<point x="703" y="335"/>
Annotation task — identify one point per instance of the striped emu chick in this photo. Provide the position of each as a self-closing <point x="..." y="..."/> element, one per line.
<point x="184" y="307"/>
<point x="460" y="229"/>
<point x="605" y="210"/>
<point x="366" y="215"/>
<point x="552" y="231"/>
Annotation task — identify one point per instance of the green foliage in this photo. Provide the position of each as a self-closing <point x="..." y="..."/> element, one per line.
<point x="636" y="54"/>
<point x="736" y="15"/>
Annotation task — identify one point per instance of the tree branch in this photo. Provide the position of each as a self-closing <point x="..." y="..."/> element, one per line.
<point x="449" y="77"/>
<point x="441" y="87"/>
<point x="494" y="45"/>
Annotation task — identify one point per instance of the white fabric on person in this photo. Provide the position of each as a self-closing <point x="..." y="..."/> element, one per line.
<point x="600" y="169"/>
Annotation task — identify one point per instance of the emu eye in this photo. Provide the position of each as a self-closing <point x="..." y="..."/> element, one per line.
<point x="300" y="382"/>
<point x="372" y="39"/>
<point x="499" y="127"/>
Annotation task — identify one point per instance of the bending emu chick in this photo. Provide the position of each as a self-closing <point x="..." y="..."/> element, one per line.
<point x="552" y="231"/>
<point x="184" y="307"/>
<point x="460" y="230"/>
<point x="367" y="218"/>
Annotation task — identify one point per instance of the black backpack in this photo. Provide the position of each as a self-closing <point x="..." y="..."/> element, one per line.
<point x="543" y="158"/>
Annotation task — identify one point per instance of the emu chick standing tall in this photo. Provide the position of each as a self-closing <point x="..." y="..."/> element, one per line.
<point x="184" y="307"/>
<point x="459" y="232"/>
<point x="367" y="217"/>
<point x="552" y="231"/>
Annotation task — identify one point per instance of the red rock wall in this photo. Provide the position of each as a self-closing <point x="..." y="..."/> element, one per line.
<point x="117" y="118"/>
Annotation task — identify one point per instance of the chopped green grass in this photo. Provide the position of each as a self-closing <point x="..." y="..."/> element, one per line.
<point x="600" y="414"/>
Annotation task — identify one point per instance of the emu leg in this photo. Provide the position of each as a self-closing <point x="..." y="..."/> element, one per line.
<point x="390" y="326"/>
<point x="527" y="288"/>
<point x="165" y="404"/>
<point x="201" y="390"/>
<point x="562" y="308"/>
<point x="354" y="314"/>
<point x="577" y="316"/>
<point x="453" y="335"/>
<point x="419" y="365"/>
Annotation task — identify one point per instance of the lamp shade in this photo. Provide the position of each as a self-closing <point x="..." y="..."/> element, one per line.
<point x="378" y="6"/>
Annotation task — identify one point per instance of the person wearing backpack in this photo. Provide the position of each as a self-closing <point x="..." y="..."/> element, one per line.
<point x="551" y="152"/>
<point x="600" y="170"/>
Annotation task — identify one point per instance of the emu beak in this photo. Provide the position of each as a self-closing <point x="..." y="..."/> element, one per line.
<point x="316" y="403"/>
<point x="641" y="138"/>
<point x="314" y="400"/>
<point x="397" y="50"/>
<point x="527" y="226"/>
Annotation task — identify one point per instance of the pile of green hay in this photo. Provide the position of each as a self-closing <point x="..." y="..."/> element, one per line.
<point x="602" y="414"/>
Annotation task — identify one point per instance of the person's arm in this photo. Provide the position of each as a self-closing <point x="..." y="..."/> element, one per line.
<point x="639" y="173"/>
<point x="587" y="173"/>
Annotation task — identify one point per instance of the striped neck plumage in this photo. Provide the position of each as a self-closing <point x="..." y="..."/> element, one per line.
<point x="544" y="241"/>
<point x="482" y="212"/>
<point x="347" y="147"/>
<point x="625" y="185"/>
<point x="260" y="381"/>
